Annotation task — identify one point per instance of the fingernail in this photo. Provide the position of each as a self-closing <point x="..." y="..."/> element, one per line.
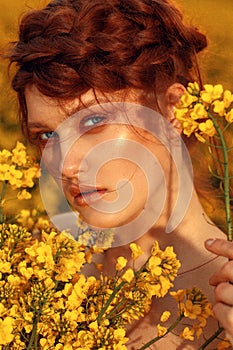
<point x="209" y="242"/>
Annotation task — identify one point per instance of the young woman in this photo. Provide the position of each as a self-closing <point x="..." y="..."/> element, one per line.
<point x="94" y="79"/>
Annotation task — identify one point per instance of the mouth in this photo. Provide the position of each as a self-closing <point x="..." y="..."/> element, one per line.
<point x="85" y="195"/>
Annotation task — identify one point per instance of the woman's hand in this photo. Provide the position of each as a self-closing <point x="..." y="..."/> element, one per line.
<point x="223" y="307"/>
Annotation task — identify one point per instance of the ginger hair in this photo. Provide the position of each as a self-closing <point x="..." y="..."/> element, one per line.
<point x="72" y="46"/>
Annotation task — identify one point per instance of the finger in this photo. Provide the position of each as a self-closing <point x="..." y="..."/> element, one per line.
<point x="224" y="293"/>
<point x="220" y="247"/>
<point x="224" y="314"/>
<point x="224" y="274"/>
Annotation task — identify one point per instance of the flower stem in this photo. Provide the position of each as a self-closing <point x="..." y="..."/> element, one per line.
<point x="152" y="341"/>
<point x="109" y="301"/>
<point x="209" y="340"/>
<point x="226" y="178"/>
<point x="33" y="336"/>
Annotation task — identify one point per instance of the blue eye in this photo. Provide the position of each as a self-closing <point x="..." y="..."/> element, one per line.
<point x="45" y="136"/>
<point x="93" y="120"/>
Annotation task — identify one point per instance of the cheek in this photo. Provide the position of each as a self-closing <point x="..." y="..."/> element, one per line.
<point x="123" y="176"/>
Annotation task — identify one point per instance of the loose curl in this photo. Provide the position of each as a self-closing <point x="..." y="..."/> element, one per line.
<point x="72" y="46"/>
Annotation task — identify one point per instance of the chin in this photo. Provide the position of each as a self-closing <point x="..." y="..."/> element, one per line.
<point x="102" y="221"/>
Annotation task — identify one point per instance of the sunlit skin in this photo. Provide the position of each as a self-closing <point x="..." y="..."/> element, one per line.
<point x="44" y="116"/>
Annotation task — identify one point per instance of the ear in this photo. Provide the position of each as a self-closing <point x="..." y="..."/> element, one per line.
<point x="170" y="100"/>
<point x="173" y="94"/>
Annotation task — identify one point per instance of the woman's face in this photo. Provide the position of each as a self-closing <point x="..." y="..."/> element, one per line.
<point x="107" y="168"/>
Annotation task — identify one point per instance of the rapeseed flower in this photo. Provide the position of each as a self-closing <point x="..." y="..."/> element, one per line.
<point x="165" y="316"/>
<point x="46" y="301"/>
<point x="44" y="292"/>
<point x="201" y="112"/>
<point x="136" y="251"/>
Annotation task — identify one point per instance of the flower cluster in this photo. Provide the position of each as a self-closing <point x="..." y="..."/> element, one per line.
<point x="208" y="114"/>
<point x="46" y="302"/>
<point x="33" y="220"/>
<point x="197" y="109"/>
<point x="19" y="170"/>
<point x="193" y="305"/>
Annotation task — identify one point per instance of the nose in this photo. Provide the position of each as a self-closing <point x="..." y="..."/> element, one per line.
<point x="73" y="160"/>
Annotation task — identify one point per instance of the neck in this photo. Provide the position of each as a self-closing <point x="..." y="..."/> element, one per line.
<point x="187" y="239"/>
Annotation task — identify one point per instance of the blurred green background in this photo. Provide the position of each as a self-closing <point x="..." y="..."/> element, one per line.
<point x="213" y="17"/>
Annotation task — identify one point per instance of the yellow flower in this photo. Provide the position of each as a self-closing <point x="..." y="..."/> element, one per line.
<point x="24" y="194"/>
<point x="19" y="156"/>
<point x="5" y="267"/>
<point x="29" y="175"/>
<point x="229" y="116"/>
<point x="128" y="276"/>
<point x="199" y="112"/>
<point x="189" y="126"/>
<point x="165" y="316"/>
<point x="93" y="326"/>
<point x="191" y="310"/>
<point x="211" y="93"/>
<point x="121" y="263"/>
<point x="227" y="98"/>
<point x="119" y="333"/>
<point x="154" y="265"/>
<point x="4" y="156"/>
<point x="79" y="292"/>
<point x="6" y="330"/>
<point x="165" y="285"/>
<point x="219" y="108"/>
<point x="14" y="177"/>
<point x="161" y="330"/>
<point x="86" y="339"/>
<point x="179" y="295"/>
<point x="14" y="280"/>
<point x="181" y="113"/>
<point x="187" y="99"/>
<point x="136" y="251"/>
<point x="44" y="255"/>
<point x="207" y="128"/>
<point x="193" y="88"/>
<point x="66" y="268"/>
<point x="187" y="334"/>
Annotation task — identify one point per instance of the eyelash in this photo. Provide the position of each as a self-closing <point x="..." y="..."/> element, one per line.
<point x="97" y="117"/>
<point x="40" y="138"/>
<point x="48" y="132"/>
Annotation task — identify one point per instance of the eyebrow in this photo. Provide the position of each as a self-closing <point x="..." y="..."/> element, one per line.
<point x="35" y="125"/>
<point x="81" y="106"/>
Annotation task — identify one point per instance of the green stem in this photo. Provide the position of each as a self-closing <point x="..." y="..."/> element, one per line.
<point x="109" y="301"/>
<point x="209" y="340"/>
<point x="33" y="336"/>
<point x="152" y="341"/>
<point x="226" y="179"/>
<point x="114" y="310"/>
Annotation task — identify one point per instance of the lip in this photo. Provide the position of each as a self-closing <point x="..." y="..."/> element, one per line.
<point x="84" y="195"/>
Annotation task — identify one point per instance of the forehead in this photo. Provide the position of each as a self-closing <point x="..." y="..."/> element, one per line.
<point x="44" y="110"/>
